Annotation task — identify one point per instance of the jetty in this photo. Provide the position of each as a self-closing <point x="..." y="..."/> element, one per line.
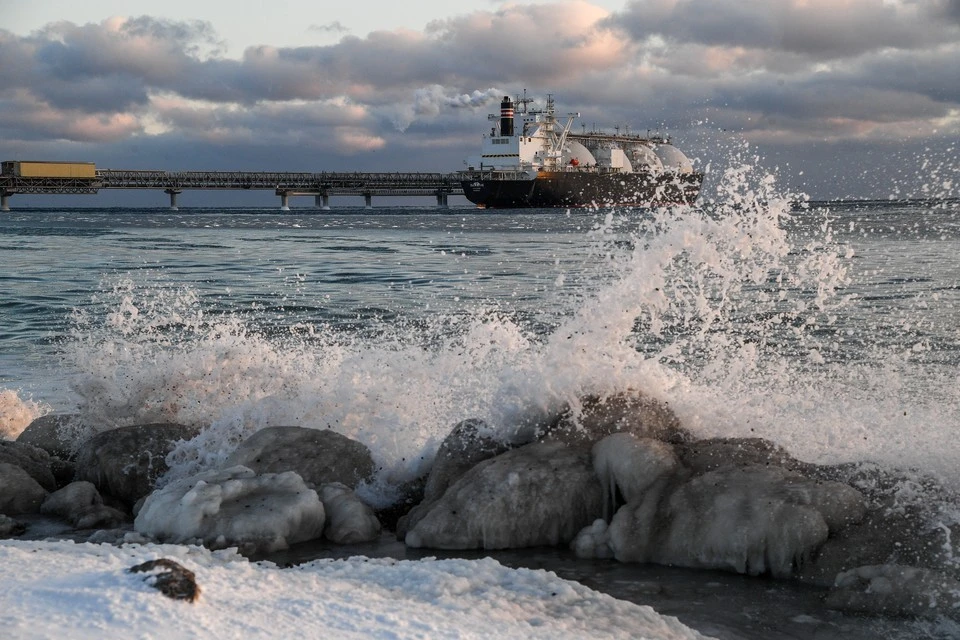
<point x="35" y="177"/>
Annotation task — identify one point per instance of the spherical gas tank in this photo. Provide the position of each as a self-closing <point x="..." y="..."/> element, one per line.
<point x="673" y="158"/>
<point x="643" y="158"/>
<point x="575" y="150"/>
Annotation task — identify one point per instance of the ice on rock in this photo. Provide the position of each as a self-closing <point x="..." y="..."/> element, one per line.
<point x="234" y="507"/>
<point x="593" y="541"/>
<point x="628" y="466"/>
<point x="349" y="520"/>
<point x="750" y="520"/>
<point x="539" y="494"/>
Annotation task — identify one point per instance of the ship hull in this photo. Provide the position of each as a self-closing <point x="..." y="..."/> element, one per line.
<point x="581" y="189"/>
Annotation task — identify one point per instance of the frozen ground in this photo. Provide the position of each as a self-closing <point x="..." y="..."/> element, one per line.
<point x="62" y="589"/>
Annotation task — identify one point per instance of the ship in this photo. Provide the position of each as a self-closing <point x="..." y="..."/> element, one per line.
<point x="531" y="158"/>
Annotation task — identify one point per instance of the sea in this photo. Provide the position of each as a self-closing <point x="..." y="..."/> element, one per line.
<point x="829" y="328"/>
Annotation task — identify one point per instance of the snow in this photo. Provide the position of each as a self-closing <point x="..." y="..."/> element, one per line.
<point x="63" y="589"/>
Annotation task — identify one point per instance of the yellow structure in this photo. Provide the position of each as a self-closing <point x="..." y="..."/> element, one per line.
<point x="40" y="169"/>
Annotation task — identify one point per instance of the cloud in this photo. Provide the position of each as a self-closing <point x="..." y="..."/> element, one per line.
<point x="785" y="72"/>
<point x="816" y="29"/>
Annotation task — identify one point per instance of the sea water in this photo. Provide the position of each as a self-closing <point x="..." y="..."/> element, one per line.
<point x="828" y="328"/>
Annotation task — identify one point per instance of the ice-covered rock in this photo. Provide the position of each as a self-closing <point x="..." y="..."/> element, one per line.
<point x="747" y="519"/>
<point x="593" y="541"/>
<point x="349" y="521"/>
<point x="35" y="461"/>
<point x="465" y="446"/>
<point x="895" y="590"/>
<point x="53" y="433"/>
<point x="80" y="504"/>
<point x="628" y="466"/>
<point x="319" y="456"/>
<point x="126" y="462"/>
<point x="234" y="507"/>
<point x="629" y="412"/>
<point x="539" y="494"/>
<point x="19" y="492"/>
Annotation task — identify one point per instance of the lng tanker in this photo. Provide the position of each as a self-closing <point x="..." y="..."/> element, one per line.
<point x="531" y="159"/>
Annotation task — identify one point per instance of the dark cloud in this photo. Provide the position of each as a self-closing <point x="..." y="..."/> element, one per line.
<point x="818" y="29"/>
<point x="330" y="27"/>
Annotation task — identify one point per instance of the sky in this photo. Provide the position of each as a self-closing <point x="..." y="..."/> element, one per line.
<point x="839" y="97"/>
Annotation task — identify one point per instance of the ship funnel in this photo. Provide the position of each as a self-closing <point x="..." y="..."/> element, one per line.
<point x="506" y="116"/>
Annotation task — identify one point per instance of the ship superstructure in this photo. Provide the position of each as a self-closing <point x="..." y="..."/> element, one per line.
<point x="532" y="158"/>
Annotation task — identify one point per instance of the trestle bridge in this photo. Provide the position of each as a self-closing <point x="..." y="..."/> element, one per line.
<point x="285" y="184"/>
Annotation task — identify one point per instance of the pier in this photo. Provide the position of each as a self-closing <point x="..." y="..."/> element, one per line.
<point x="285" y="184"/>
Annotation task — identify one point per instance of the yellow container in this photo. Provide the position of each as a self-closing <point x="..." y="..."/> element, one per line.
<point x="57" y="169"/>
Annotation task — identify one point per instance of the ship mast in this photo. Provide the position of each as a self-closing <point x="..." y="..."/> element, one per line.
<point x="552" y="142"/>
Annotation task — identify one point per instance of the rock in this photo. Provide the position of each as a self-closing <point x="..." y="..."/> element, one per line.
<point x="67" y="502"/>
<point x="884" y="536"/>
<point x="31" y="459"/>
<point x="19" y="492"/>
<point x="628" y="466"/>
<point x="753" y="519"/>
<point x="55" y="433"/>
<point x="407" y="496"/>
<point x="539" y="494"/>
<point x="319" y="456"/>
<point x="349" y="521"/>
<point x="10" y="528"/>
<point x="63" y="471"/>
<point x="630" y="412"/>
<point x="460" y="451"/>
<point x="701" y="456"/>
<point x="234" y="507"/>
<point x="895" y="590"/>
<point x="126" y="462"/>
<point x="169" y="578"/>
<point x="80" y="504"/>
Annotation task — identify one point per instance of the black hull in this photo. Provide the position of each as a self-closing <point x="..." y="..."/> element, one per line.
<point x="582" y="189"/>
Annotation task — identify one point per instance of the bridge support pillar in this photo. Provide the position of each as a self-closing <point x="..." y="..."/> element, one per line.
<point x="173" y="193"/>
<point x="322" y="201"/>
<point x="442" y="199"/>
<point x="5" y="201"/>
<point x="284" y="202"/>
<point x="368" y="200"/>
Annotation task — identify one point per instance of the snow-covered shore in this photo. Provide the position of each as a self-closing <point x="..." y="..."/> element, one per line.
<point x="63" y="589"/>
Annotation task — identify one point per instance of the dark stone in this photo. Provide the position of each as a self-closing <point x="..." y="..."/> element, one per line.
<point x="35" y="461"/>
<point x="80" y="504"/>
<point x="628" y="412"/>
<point x="126" y="462"/>
<point x="54" y="433"/>
<point x="19" y="493"/>
<point x="169" y="578"/>
<point x="703" y="456"/>
<point x="10" y="528"/>
<point x="319" y="456"/>
<point x="409" y="495"/>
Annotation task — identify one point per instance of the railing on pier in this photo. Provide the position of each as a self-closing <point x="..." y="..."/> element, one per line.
<point x="284" y="184"/>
